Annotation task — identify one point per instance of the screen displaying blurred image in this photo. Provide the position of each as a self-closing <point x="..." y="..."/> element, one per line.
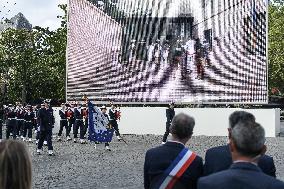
<point x="186" y="51"/>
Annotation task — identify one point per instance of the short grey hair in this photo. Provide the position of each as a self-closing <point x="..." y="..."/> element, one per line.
<point x="240" y="116"/>
<point x="249" y="138"/>
<point x="182" y="126"/>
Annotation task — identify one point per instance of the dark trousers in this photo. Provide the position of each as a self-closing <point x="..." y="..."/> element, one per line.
<point x="1" y="125"/>
<point x="35" y="125"/>
<point x="70" y="125"/>
<point x="115" y="126"/>
<point x="86" y="126"/>
<point x="28" y="128"/>
<point x="11" y="128"/>
<point x="167" y="132"/>
<point x="200" y="69"/>
<point x="37" y="135"/>
<point x="20" y="127"/>
<point x="79" y="125"/>
<point x="64" y="124"/>
<point x="46" y="134"/>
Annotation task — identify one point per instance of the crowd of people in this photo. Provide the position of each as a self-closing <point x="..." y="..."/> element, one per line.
<point x="189" y="53"/>
<point x="21" y="122"/>
<point x="241" y="163"/>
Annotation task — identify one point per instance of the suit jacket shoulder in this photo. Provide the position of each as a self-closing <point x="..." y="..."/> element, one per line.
<point x="266" y="164"/>
<point x="158" y="159"/>
<point x="217" y="159"/>
<point x="240" y="175"/>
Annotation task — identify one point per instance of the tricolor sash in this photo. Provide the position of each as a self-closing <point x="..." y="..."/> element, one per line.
<point x="177" y="168"/>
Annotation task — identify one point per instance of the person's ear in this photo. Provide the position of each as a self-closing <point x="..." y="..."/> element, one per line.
<point x="229" y="132"/>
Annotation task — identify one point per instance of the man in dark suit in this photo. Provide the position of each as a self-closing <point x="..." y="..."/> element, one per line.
<point x="160" y="159"/>
<point x="11" y="122"/>
<point x="113" y="120"/>
<point x="170" y="113"/>
<point x="219" y="158"/>
<point x="46" y="121"/>
<point x="246" y="146"/>
<point x="63" y="122"/>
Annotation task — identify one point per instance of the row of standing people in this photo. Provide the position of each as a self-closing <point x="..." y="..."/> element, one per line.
<point x="76" y="117"/>
<point x="240" y="164"/>
<point x="20" y="122"/>
<point x="188" y="53"/>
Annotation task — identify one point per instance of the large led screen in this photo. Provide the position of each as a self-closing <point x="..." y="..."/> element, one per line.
<point x="185" y="51"/>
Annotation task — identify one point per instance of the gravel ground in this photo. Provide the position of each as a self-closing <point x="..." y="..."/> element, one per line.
<point x="82" y="166"/>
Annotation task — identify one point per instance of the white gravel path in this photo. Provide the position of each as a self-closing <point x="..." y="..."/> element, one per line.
<point x="82" y="166"/>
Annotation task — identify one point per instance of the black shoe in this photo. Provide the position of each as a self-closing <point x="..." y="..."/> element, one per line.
<point x="107" y="148"/>
<point x="50" y="153"/>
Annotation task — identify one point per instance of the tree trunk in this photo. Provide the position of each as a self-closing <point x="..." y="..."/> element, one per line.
<point x="24" y="94"/>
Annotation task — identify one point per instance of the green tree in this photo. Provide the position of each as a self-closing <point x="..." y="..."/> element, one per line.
<point x="276" y="45"/>
<point x="33" y="62"/>
<point x="17" y="49"/>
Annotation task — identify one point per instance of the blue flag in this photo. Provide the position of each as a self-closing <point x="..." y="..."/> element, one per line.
<point x="98" y="125"/>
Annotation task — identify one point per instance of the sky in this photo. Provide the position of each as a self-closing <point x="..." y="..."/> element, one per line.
<point x="39" y="12"/>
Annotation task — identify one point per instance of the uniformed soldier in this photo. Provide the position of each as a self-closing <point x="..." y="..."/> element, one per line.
<point x="199" y="59"/>
<point x="46" y="121"/>
<point x="78" y="124"/>
<point x="63" y="122"/>
<point x="113" y="120"/>
<point x="28" y="123"/>
<point x="170" y="114"/>
<point x="104" y="110"/>
<point x="20" y="120"/>
<point x="70" y="118"/>
<point x="85" y="113"/>
<point x="190" y="53"/>
<point x="50" y="110"/>
<point x="165" y="53"/>
<point x="35" y="122"/>
<point x="11" y="122"/>
<point x="157" y="52"/>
